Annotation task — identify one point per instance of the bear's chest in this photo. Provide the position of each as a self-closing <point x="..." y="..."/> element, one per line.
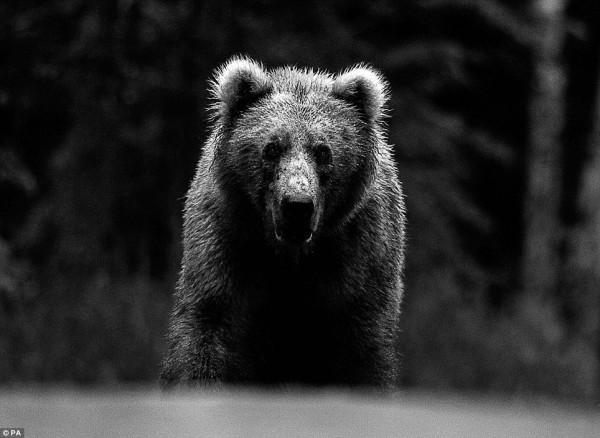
<point x="300" y="331"/>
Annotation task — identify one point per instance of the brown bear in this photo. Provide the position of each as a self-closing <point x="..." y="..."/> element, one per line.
<point x="293" y="235"/>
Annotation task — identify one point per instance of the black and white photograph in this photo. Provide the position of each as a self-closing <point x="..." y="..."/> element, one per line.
<point x="300" y="219"/>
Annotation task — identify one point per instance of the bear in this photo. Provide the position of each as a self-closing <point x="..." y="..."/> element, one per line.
<point x="293" y="235"/>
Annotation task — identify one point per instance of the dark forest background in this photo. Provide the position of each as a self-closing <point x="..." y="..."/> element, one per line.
<point x="495" y="119"/>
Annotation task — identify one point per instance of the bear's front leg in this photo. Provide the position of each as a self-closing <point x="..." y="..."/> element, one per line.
<point x="203" y="348"/>
<point x="196" y="356"/>
<point x="369" y="357"/>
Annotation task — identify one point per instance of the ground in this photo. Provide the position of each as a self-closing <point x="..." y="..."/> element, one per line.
<point x="51" y="413"/>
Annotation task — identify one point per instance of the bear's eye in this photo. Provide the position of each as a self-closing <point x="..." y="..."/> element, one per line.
<point x="271" y="151"/>
<point x="323" y="154"/>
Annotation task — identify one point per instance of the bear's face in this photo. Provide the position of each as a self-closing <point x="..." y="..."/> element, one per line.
<point x="289" y="156"/>
<point x="300" y="146"/>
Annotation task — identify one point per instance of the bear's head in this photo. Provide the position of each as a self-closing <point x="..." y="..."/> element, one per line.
<point x="300" y="146"/>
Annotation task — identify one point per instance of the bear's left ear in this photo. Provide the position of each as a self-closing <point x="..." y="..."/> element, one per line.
<point x="238" y="84"/>
<point x="364" y="88"/>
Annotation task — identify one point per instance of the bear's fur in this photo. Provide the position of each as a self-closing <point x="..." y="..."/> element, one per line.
<point x="293" y="235"/>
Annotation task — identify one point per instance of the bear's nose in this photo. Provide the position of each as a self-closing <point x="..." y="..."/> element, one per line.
<point x="297" y="209"/>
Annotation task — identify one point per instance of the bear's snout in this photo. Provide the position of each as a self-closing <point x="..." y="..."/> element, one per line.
<point x="296" y="207"/>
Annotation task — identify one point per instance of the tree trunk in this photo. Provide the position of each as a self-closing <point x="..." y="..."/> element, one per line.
<point x="584" y="246"/>
<point x="543" y="235"/>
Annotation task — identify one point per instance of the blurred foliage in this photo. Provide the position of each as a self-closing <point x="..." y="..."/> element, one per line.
<point x="102" y="122"/>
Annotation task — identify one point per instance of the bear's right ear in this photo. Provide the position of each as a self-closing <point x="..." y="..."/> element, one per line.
<point x="238" y="84"/>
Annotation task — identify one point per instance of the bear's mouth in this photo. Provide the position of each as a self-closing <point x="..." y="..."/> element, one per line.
<point x="294" y="235"/>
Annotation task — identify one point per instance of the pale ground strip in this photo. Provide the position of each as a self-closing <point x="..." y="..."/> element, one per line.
<point x="70" y="413"/>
